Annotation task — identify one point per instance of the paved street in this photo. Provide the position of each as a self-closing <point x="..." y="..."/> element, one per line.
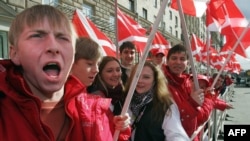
<point x="241" y="112"/>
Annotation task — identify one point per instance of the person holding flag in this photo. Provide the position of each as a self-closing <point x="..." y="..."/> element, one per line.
<point x="187" y="100"/>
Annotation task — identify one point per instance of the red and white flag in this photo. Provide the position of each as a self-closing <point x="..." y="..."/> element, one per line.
<point x="135" y="25"/>
<point x="215" y="10"/>
<point x="225" y="16"/>
<point x="197" y="46"/>
<point x="191" y="7"/>
<point x="234" y="19"/>
<point x="217" y="61"/>
<point x="232" y="27"/>
<point x="234" y="65"/>
<point x="207" y="54"/>
<point x="160" y="43"/>
<point x="84" y="27"/>
<point x="240" y="49"/>
<point x="212" y="23"/>
<point x="130" y="30"/>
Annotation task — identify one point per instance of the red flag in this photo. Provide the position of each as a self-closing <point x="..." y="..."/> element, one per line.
<point x="230" y="42"/>
<point x="191" y="7"/>
<point x="135" y="25"/>
<point x="216" y="11"/>
<point x="211" y="23"/>
<point x="226" y="16"/>
<point x="215" y="15"/>
<point x="159" y="43"/>
<point x="217" y="61"/>
<point x="84" y="27"/>
<point x="197" y="46"/>
<point x="234" y="65"/>
<point x="128" y="31"/>
<point x="234" y="24"/>
<point x="234" y="19"/>
<point x="210" y="52"/>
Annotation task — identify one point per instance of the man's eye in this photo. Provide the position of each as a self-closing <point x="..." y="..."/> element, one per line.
<point x="64" y="38"/>
<point x="90" y="64"/>
<point x="36" y="35"/>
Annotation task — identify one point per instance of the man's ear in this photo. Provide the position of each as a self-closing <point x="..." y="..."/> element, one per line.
<point x="14" y="55"/>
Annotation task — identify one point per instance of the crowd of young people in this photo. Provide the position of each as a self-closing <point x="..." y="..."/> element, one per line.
<point x="57" y="86"/>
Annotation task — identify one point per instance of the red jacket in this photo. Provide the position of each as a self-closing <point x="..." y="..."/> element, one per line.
<point x="217" y="102"/>
<point x="180" y="88"/>
<point x="90" y="116"/>
<point x="228" y="81"/>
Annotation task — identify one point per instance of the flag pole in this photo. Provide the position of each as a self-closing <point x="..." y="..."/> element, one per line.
<point x="188" y="45"/>
<point x="231" y="53"/>
<point x="142" y="62"/>
<point x="208" y="58"/>
<point x="116" y="30"/>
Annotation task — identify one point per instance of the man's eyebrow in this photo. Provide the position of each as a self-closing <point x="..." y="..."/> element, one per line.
<point x="40" y="31"/>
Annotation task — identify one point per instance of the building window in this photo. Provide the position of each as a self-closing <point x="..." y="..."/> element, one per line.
<point x="4" y="45"/>
<point x="87" y="10"/>
<point x="132" y="5"/>
<point x="155" y="3"/>
<point x="50" y="2"/>
<point x="170" y="30"/>
<point x="144" y="13"/>
<point x="176" y="21"/>
<point x="112" y="22"/>
<point x="170" y="15"/>
<point x="176" y="34"/>
<point x="163" y="24"/>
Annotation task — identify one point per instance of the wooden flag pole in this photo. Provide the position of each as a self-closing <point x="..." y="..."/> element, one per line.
<point x="116" y="30"/>
<point x="188" y="45"/>
<point x="207" y="47"/>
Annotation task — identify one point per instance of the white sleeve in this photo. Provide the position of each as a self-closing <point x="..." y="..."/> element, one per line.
<point x="172" y="126"/>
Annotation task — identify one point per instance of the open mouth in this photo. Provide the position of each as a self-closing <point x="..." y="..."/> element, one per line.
<point x="52" y="69"/>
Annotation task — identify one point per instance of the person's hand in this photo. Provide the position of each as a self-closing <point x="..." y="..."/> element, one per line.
<point x="229" y="106"/>
<point x="198" y="96"/>
<point x="121" y="122"/>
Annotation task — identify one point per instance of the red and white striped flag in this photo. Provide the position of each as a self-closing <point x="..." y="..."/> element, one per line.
<point x="191" y="7"/>
<point x="130" y="30"/>
<point x="84" y="27"/>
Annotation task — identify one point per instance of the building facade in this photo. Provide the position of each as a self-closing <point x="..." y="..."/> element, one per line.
<point x="102" y="13"/>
